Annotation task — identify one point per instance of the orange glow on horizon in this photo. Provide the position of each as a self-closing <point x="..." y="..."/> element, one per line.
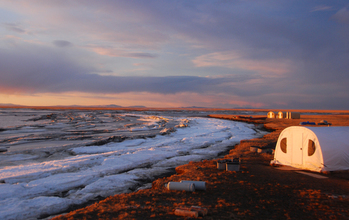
<point x="126" y="99"/>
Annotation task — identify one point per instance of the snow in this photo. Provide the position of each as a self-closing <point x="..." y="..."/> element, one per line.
<point x="34" y="189"/>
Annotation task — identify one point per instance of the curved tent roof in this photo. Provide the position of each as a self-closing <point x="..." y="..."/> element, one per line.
<point x="313" y="148"/>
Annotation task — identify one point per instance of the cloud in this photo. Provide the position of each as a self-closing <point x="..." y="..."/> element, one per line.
<point x="321" y="8"/>
<point x="122" y="53"/>
<point x="266" y="51"/>
<point x="44" y="69"/>
<point x="342" y="16"/>
<point x="62" y="43"/>
<point x="32" y="68"/>
<point x="231" y="59"/>
<point x="127" y="24"/>
<point x="15" y="28"/>
<point x="142" y="64"/>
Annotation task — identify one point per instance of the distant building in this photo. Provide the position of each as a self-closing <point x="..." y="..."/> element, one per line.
<point x="281" y="115"/>
<point x="293" y="115"/>
<point x="271" y="115"/>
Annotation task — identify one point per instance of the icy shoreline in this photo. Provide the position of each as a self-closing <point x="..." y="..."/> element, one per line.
<point x="38" y="189"/>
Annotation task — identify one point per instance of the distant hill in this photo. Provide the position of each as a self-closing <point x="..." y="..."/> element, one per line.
<point x="111" y="106"/>
<point x="118" y="106"/>
<point x="9" y="104"/>
<point x="77" y="106"/>
<point x="193" y="107"/>
<point x="90" y="106"/>
<point x="137" y="106"/>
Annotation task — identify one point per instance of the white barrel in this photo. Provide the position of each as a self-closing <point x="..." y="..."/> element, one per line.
<point x="201" y="211"/>
<point x="199" y="185"/>
<point x="260" y="150"/>
<point x="190" y="187"/>
<point x="186" y="213"/>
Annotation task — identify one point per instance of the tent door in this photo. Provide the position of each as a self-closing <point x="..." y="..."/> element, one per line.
<point x="297" y="149"/>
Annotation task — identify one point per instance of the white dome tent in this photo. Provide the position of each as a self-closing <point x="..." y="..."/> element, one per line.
<point x="319" y="149"/>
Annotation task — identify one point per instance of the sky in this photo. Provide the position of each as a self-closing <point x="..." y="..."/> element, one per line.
<point x="175" y="53"/>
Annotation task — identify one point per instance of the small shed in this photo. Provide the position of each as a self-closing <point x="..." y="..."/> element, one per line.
<point x="271" y="115"/>
<point x="293" y="115"/>
<point x="319" y="149"/>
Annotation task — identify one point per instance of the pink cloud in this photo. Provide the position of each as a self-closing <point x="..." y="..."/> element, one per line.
<point x="113" y="52"/>
<point x="321" y="8"/>
<point x="342" y="16"/>
<point x="233" y="60"/>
